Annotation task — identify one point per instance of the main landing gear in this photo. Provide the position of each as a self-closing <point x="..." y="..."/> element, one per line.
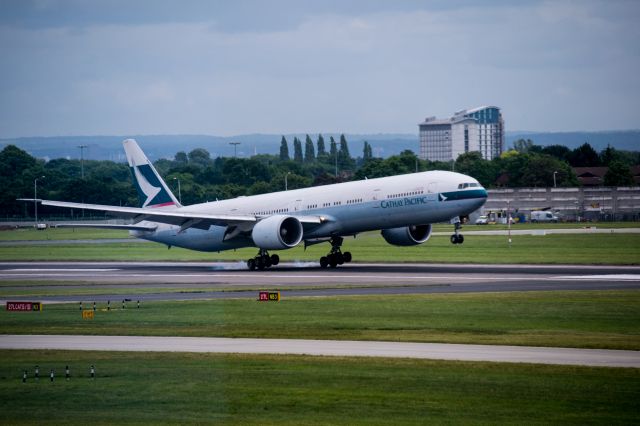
<point x="263" y="260"/>
<point x="457" y="237"/>
<point x="335" y="256"/>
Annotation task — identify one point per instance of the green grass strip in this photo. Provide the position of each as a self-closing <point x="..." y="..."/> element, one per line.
<point x="588" y="249"/>
<point x="581" y="319"/>
<point x="167" y="388"/>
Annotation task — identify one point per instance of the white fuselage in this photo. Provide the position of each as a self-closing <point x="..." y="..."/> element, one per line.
<point x="346" y="208"/>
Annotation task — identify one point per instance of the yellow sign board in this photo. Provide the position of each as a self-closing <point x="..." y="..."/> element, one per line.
<point x="87" y="314"/>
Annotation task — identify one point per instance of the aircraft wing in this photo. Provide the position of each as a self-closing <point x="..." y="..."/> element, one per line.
<point x="184" y="219"/>
<point x="107" y="226"/>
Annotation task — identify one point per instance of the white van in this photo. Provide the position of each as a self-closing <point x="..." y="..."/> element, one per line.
<point x="543" y="216"/>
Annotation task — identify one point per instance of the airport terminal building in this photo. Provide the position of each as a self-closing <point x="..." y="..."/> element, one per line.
<point x="478" y="129"/>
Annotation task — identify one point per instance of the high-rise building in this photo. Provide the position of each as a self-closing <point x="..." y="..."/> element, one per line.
<point x="478" y="129"/>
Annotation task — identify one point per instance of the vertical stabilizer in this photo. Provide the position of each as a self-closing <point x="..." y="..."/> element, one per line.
<point x="152" y="190"/>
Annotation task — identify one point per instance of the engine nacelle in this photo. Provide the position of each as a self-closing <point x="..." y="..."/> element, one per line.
<point x="408" y="235"/>
<point x="277" y="232"/>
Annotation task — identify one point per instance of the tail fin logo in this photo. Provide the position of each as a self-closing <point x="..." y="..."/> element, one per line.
<point x="149" y="191"/>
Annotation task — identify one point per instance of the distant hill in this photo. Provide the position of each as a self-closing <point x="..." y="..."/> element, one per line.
<point x="384" y="145"/>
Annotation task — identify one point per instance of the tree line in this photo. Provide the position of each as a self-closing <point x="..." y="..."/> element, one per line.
<point x="196" y="177"/>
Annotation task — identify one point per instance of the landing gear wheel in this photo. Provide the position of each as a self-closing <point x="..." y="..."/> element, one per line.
<point x="262" y="261"/>
<point x="457" y="239"/>
<point x="335" y="256"/>
<point x="251" y="264"/>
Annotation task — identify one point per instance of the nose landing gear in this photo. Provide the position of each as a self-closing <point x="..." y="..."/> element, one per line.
<point x="335" y="256"/>
<point x="263" y="261"/>
<point x="457" y="237"/>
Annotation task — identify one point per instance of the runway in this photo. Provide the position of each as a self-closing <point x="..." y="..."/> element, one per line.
<point x="450" y="352"/>
<point x="196" y="280"/>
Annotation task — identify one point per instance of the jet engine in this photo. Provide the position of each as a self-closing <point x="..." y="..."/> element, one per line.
<point x="408" y="235"/>
<point x="277" y="232"/>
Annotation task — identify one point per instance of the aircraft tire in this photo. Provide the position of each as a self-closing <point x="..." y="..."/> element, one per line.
<point x="275" y="259"/>
<point x="347" y="256"/>
<point x="454" y="239"/>
<point x="251" y="264"/>
<point x="324" y="262"/>
<point x="460" y="238"/>
<point x="333" y="262"/>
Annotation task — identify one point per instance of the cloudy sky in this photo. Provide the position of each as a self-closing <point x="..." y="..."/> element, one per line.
<point x="225" y="68"/>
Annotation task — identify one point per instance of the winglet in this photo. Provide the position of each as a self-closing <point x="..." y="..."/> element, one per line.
<point x="152" y="190"/>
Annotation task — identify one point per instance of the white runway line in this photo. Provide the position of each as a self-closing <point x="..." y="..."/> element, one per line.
<point x="615" y="277"/>
<point x="453" y="352"/>
<point x="60" y="270"/>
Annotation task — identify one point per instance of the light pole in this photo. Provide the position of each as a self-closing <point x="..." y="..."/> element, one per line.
<point x="82" y="148"/>
<point x="35" y="197"/>
<point x="554" y="178"/>
<point x="286" y="185"/>
<point x="235" y="148"/>
<point x="179" y="192"/>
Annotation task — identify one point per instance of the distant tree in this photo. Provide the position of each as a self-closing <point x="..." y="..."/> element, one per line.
<point x="322" y="152"/>
<point x="584" y="156"/>
<point x="618" y="175"/>
<point x="523" y="145"/>
<point x="472" y="164"/>
<point x="560" y="152"/>
<point x="181" y="157"/>
<point x="333" y="148"/>
<point x="284" y="149"/>
<point x="309" y="151"/>
<point x="610" y="155"/>
<point x="367" y="152"/>
<point x="200" y="156"/>
<point x="345" y="162"/>
<point x="297" y="150"/>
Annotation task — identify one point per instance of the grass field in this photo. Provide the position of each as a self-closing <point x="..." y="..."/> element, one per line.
<point x="156" y="388"/>
<point x="370" y="247"/>
<point x="583" y="319"/>
<point x="30" y="234"/>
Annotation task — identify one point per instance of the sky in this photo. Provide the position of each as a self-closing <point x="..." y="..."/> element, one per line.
<point x="226" y="68"/>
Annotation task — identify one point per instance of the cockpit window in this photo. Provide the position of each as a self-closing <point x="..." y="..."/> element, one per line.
<point x="468" y="185"/>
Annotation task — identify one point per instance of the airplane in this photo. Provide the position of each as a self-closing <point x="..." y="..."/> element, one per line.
<point x="402" y="207"/>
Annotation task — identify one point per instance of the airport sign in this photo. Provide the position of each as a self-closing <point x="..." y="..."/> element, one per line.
<point x="24" y="306"/>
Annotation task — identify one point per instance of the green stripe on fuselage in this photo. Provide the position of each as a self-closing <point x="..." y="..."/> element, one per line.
<point x="464" y="194"/>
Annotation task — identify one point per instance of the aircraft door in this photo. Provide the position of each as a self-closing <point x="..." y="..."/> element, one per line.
<point x="295" y="206"/>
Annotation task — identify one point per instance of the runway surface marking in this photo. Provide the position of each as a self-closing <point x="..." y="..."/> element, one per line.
<point x="61" y="270"/>
<point x="372" y="277"/>
<point x="439" y="351"/>
<point x="624" y="277"/>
